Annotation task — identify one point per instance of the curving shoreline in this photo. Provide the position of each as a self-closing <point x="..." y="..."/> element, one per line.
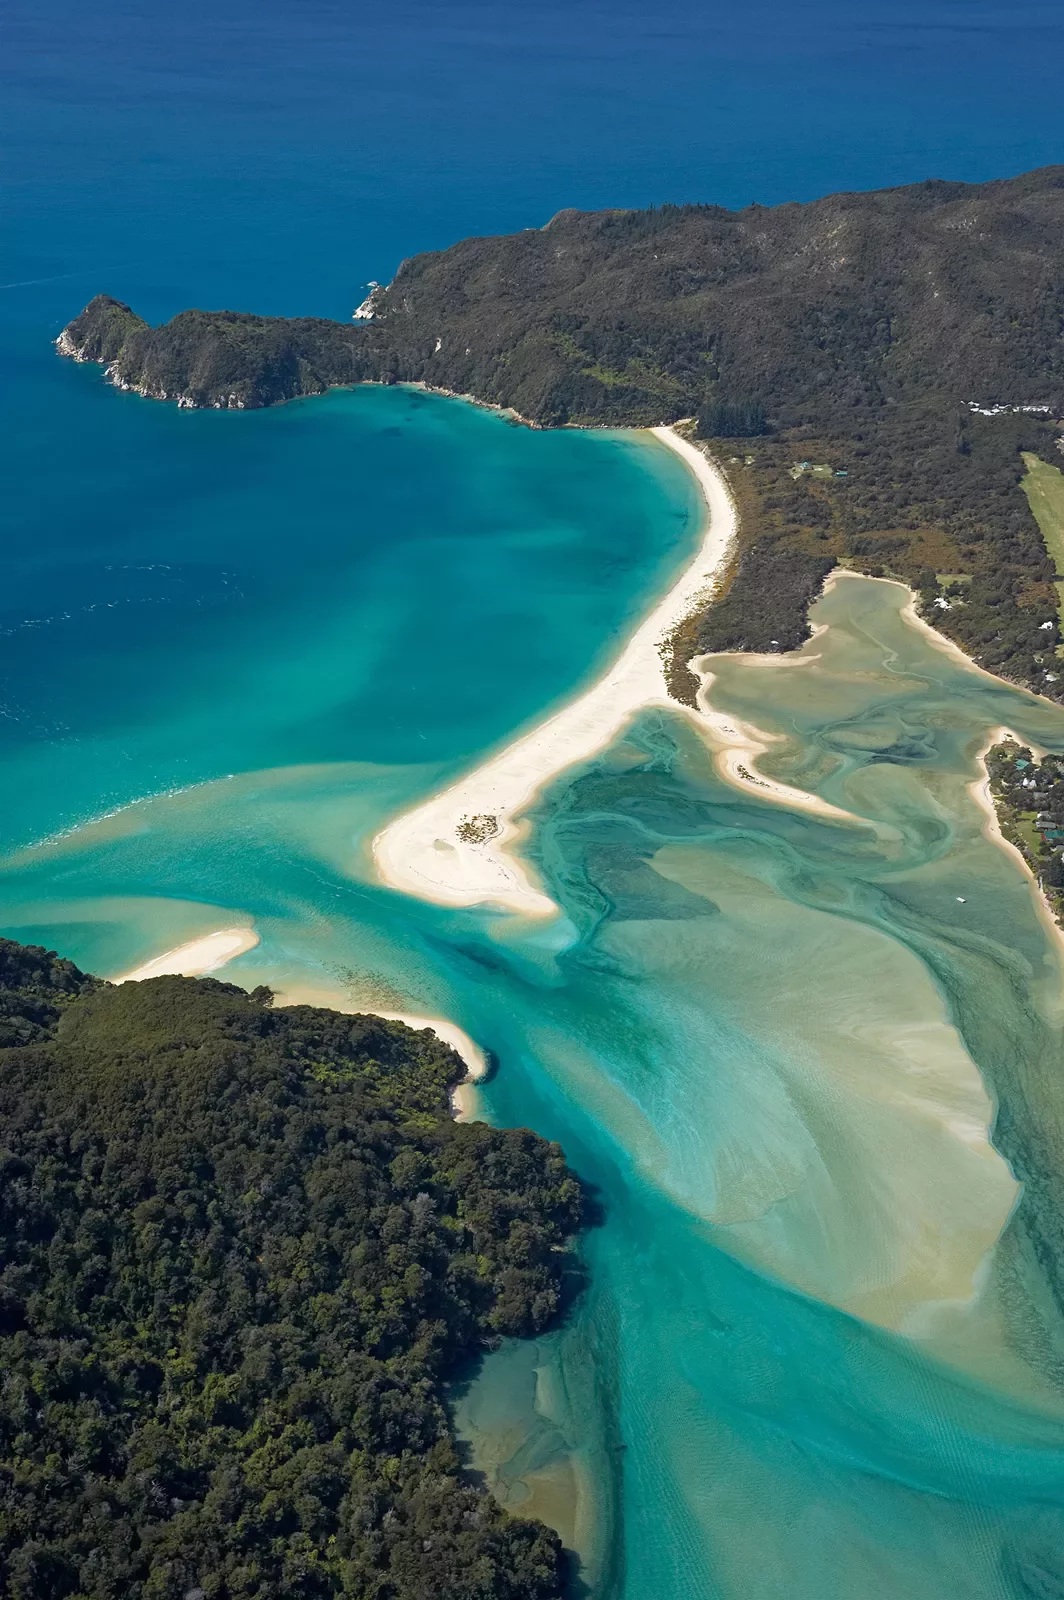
<point x="454" y="848"/>
<point x="208" y="954"/>
<point x="196" y="959"/>
<point x="463" y="1102"/>
<point x="736" y="746"/>
<point x="980" y="792"/>
<point x="463" y="1045"/>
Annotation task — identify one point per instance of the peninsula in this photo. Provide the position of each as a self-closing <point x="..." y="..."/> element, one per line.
<point x="1027" y="792"/>
<point x="245" y="1246"/>
<point x="868" y="369"/>
<point x="453" y="848"/>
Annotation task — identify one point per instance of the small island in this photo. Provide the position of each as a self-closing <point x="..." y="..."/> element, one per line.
<point x="244" y="1247"/>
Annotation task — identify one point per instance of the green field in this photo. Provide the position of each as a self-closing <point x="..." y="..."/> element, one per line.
<point x="1044" y="488"/>
<point x="1024" y="825"/>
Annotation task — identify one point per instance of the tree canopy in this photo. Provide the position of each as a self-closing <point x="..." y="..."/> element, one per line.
<point x="242" y="1247"/>
<point x="887" y="334"/>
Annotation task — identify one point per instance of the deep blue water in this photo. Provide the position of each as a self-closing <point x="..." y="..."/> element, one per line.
<point x="275" y="156"/>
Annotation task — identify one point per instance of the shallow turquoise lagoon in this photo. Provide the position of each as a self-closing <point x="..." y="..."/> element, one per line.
<point x="820" y="1352"/>
<point x="375" y="574"/>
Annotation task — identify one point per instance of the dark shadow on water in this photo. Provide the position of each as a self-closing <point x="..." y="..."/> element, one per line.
<point x="575" y="1588"/>
<point x="575" y="1280"/>
<point x="491" y="1068"/>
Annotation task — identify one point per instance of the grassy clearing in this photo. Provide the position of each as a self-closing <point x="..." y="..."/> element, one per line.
<point x="1027" y="831"/>
<point x="1044" y="488"/>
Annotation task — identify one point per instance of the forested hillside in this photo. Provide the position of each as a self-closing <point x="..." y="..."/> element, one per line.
<point x="241" y="1249"/>
<point x="854" y="334"/>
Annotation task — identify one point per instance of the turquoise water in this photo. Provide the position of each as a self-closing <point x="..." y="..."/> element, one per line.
<point x="820" y="1354"/>
<point x="821" y="1348"/>
<point x="376" y="573"/>
<point x="762" y="1048"/>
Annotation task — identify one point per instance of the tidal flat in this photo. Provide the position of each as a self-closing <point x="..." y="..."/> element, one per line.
<point x="809" y="1065"/>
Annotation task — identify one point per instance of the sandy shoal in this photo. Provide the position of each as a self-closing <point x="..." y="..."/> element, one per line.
<point x="423" y="853"/>
<point x="197" y="958"/>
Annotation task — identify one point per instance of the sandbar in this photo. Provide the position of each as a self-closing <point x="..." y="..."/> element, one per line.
<point x="198" y="957"/>
<point x="454" y="848"/>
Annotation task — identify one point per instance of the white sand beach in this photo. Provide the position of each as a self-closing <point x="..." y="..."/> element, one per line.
<point x="460" y="1042"/>
<point x="197" y="958"/>
<point x="454" y="849"/>
<point x="979" y="789"/>
<point x="474" y="1057"/>
<point x="211" y="952"/>
<point x="463" y="1101"/>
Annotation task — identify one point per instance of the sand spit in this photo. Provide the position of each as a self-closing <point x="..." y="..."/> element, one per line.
<point x="736" y="746"/>
<point x="979" y="789"/>
<point x="454" y="849"/>
<point x="197" y="958"/>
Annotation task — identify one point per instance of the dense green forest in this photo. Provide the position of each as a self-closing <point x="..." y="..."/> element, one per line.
<point x="221" y="359"/>
<point x="854" y="333"/>
<point x="242" y="1247"/>
<point x="931" y="496"/>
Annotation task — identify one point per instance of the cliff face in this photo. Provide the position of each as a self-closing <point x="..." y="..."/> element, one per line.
<point x="820" y="312"/>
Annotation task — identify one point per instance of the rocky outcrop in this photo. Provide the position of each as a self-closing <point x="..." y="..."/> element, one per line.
<point x="100" y="332"/>
<point x="218" y="359"/>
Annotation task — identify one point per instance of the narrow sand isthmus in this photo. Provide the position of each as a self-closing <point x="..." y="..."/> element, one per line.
<point x="455" y="848"/>
<point x="424" y="852"/>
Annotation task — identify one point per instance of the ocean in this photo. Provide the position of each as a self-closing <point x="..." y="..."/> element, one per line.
<point x="809" y="1066"/>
